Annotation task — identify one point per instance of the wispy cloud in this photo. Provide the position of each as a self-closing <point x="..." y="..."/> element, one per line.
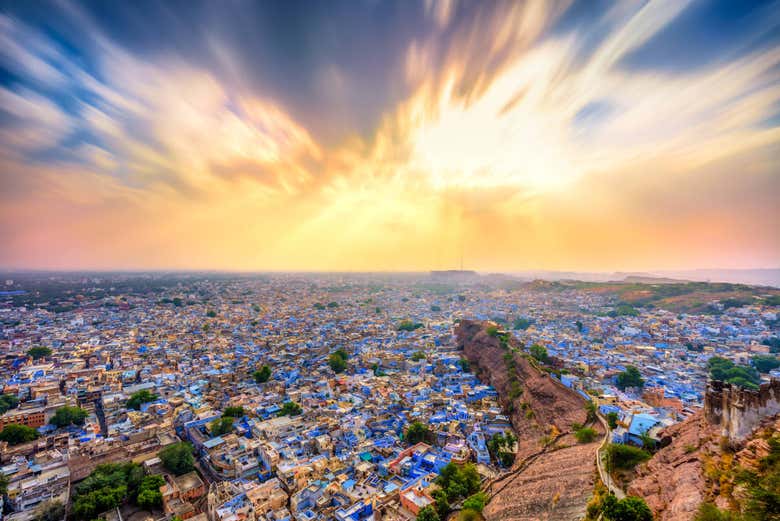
<point x="516" y="144"/>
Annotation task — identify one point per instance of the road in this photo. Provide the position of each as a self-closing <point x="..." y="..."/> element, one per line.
<point x="605" y="477"/>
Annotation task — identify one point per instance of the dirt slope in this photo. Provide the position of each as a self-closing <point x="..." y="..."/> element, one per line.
<point x="553" y="475"/>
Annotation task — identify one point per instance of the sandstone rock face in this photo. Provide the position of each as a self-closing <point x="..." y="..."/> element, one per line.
<point x="549" y="483"/>
<point x="673" y="482"/>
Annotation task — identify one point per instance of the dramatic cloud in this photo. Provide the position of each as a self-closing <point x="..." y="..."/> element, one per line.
<point x="520" y="135"/>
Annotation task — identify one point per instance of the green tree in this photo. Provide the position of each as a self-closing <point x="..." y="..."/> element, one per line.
<point x="68" y="415"/>
<point x="417" y="356"/>
<point x="630" y="378"/>
<point x="290" y="409"/>
<point x="221" y="426"/>
<point x="612" y="418"/>
<point x="630" y="508"/>
<point x="139" y="398"/>
<point x="233" y="412"/>
<point x="476" y="502"/>
<point x="38" y="352"/>
<point x="521" y="323"/>
<point x="765" y="363"/>
<point x="428" y="514"/>
<point x="262" y="375"/>
<point x="540" y="353"/>
<point x="416" y="432"/>
<point x="15" y="434"/>
<point x="579" y="325"/>
<point x="8" y="401"/>
<point x="435" y="308"/>
<point x="177" y="458"/>
<point x="408" y="325"/>
<point x="211" y="313"/>
<point x="338" y="361"/>
<point x="149" y="499"/>
<point x="726" y="371"/>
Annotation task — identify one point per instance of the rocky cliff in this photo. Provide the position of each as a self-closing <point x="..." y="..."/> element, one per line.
<point x="553" y="475"/>
<point x="708" y="450"/>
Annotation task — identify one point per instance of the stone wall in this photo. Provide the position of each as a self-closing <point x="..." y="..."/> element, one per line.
<point x="737" y="411"/>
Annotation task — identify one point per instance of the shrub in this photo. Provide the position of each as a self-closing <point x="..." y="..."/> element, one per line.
<point x="626" y="456"/>
<point x="585" y="435"/>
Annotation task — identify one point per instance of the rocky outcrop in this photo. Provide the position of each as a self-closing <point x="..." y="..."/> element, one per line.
<point x="680" y="476"/>
<point x="738" y="411"/>
<point x="673" y="482"/>
<point x="553" y="476"/>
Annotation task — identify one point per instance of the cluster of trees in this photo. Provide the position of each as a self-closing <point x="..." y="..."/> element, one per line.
<point x="727" y="371"/>
<point x="408" y="325"/>
<point x="765" y="363"/>
<point x="773" y="343"/>
<point x="107" y="487"/>
<point x="139" y="398"/>
<point x="630" y="378"/>
<point x="500" y="447"/>
<point x="38" y="352"/>
<point x="319" y="306"/>
<point x="338" y="361"/>
<point x="233" y="412"/>
<point x="455" y="483"/>
<point x="15" y="434"/>
<point x="262" y="375"/>
<point x="177" y="458"/>
<point x="8" y="401"/>
<point x="417" y="432"/>
<point x="623" y="309"/>
<point x="417" y="356"/>
<point x="290" y="409"/>
<point x="67" y="415"/>
<point x="149" y="496"/>
<point x="377" y="370"/>
<point x="221" y="426"/>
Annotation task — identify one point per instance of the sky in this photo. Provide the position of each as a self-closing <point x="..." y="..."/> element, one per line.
<point x="401" y="135"/>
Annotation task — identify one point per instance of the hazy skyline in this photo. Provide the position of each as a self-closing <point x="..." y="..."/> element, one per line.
<point x="588" y="136"/>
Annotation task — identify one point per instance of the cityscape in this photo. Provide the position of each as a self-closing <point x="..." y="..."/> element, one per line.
<point x="390" y="260"/>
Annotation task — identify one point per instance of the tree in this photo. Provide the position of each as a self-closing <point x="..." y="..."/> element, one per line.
<point x="579" y="325"/>
<point x="427" y="514"/>
<point x="417" y="356"/>
<point x="262" y="375"/>
<point x="521" y="323"/>
<point x="765" y="363"/>
<point x="465" y="366"/>
<point x="338" y="361"/>
<point x="233" y="412"/>
<point x="8" y="401"/>
<point x="476" y="502"/>
<point x="540" y="353"/>
<point x="50" y="510"/>
<point x="630" y="378"/>
<point x="177" y="458"/>
<point x="15" y="434"/>
<point x="221" y="426"/>
<point x="3" y="484"/>
<point x="149" y="496"/>
<point x="416" y="432"/>
<point x="211" y="313"/>
<point x="435" y="308"/>
<point x="107" y="487"/>
<point x="612" y="418"/>
<point x="67" y="415"/>
<point x="290" y="409"/>
<point x="630" y="508"/>
<point x="408" y="325"/>
<point x="140" y="397"/>
<point x="39" y="352"/>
